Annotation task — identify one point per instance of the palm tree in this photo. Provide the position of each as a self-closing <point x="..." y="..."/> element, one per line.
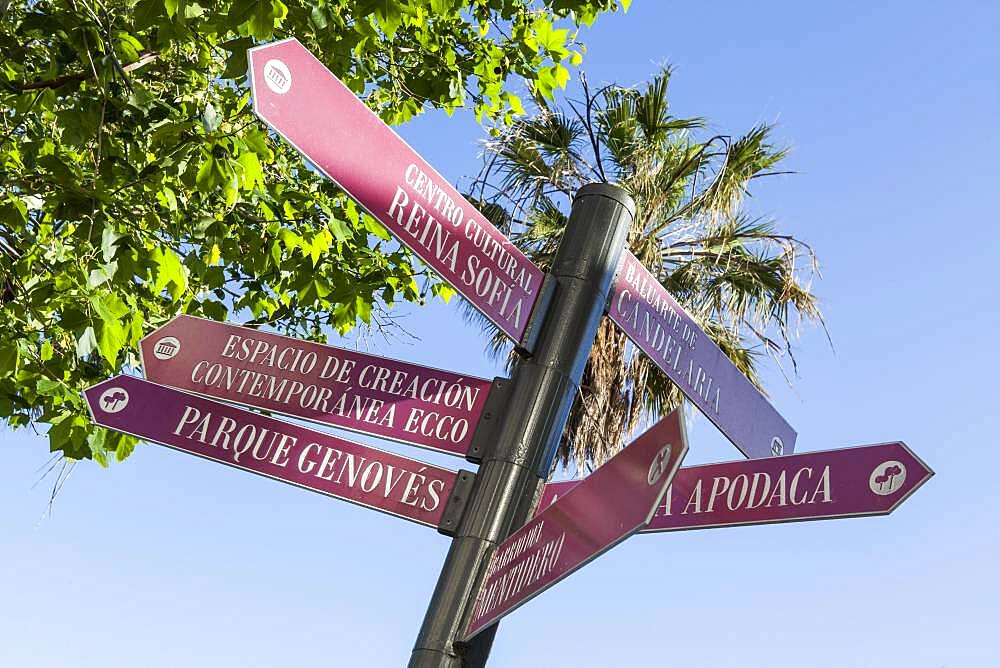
<point x="736" y="275"/>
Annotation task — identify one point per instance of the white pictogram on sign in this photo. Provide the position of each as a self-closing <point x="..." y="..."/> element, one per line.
<point x="887" y="477"/>
<point x="166" y="348"/>
<point x="659" y="465"/>
<point x="113" y="400"/>
<point x="277" y="76"/>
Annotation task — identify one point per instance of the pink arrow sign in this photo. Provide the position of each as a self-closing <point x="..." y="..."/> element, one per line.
<point x="662" y="329"/>
<point x="600" y="512"/>
<point x="848" y="482"/>
<point x="307" y="105"/>
<point x="373" y="395"/>
<point x="253" y="442"/>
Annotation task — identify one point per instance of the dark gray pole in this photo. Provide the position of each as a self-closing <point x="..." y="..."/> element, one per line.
<point x="540" y="393"/>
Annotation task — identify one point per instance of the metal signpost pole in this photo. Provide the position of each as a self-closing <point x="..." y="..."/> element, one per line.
<point x="541" y="393"/>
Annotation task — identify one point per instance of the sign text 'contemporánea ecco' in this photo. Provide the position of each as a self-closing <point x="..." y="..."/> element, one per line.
<point x="365" y="393"/>
<point x="311" y="108"/>
<point x="662" y="329"/>
<point x="597" y="514"/>
<point x="848" y="482"/>
<point x="273" y="448"/>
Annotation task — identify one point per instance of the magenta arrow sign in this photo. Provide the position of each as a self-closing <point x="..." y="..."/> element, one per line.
<point x="374" y="395"/>
<point x="662" y="329"/>
<point x="307" y="105"/>
<point x="848" y="482"/>
<point x="253" y="442"/>
<point x="604" y="509"/>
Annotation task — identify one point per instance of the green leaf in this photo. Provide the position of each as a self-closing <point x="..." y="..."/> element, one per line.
<point x="111" y="338"/>
<point x="444" y="291"/>
<point x="109" y="242"/>
<point x="339" y="229"/>
<point x="86" y="343"/>
<point x="102" y="274"/>
<point x="257" y="142"/>
<point x="561" y="76"/>
<point x="251" y="172"/>
<point x="210" y="118"/>
<point x="169" y="273"/>
<point x="266" y="16"/>
<point x="209" y="176"/>
<point x="147" y="12"/>
<point x="111" y="331"/>
<point x="109" y="306"/>
<point x="172" y="7"/>
<point x="376" y="228"/>
<point x="60" y="430"/>
<point x="364" y="309"/>
<point x="125" y="446"/>
<point x="8" y="358"/>
<point x="49" y="388"/>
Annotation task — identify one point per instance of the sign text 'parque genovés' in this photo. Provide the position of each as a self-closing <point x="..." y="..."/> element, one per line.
<point x="274" y="448"/>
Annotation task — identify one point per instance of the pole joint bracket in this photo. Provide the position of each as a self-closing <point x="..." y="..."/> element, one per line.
<point x="454" y="508"/>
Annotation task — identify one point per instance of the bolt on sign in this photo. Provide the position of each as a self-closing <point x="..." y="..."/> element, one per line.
<point x="295" y="94"/>
<point x="274" y="448"/>
<point x="373" y="395"/>
<point x="847" y="482"/>
<point x="601" y="511"/>
<point x="661" y="328"/>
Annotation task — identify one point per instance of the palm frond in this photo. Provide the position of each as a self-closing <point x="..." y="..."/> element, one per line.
<point x="736" y="275"/>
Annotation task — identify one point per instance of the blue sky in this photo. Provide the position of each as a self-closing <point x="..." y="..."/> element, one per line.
<point x="890" y="109"/>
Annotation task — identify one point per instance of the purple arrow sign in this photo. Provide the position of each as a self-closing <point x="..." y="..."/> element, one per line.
<point x="374" y="395"/>
<point x="662" y="329"/>
<point x="607" y="507"/>
<point x="848" y="482"/>
<point x="307" y="105"/>
<point x="253" y="442"/>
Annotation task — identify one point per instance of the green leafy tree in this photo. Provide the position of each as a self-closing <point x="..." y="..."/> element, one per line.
<point x="735" y="274"/>
<point x="136" y="184"/>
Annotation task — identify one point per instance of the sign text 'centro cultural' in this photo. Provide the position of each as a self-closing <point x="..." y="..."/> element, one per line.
<point x="298" y="96"/>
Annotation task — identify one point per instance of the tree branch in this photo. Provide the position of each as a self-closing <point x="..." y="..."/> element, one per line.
<point x="58" y="82"/>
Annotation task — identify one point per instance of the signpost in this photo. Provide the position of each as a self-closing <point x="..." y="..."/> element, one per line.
<point x="294" y="93"/>
<point x="588" y="520"/>
<point x="287" y="452"/>
<point x="662" y="329"/>
<point x="499" y="557"/>
<point x="373" y="395"/>
<point x="847" y="482"/>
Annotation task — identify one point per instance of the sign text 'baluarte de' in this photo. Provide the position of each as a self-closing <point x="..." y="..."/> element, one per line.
<point x="662" y="329"/>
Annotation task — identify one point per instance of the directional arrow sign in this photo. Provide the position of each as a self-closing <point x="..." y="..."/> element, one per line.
<point x="849" y="482"/>
<point x="662" y="329"/>
<point x="253" y="442"/>
<point x="307" y="105"/>
<point x="607" y="507"/>
<point x="374" y="395"/>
